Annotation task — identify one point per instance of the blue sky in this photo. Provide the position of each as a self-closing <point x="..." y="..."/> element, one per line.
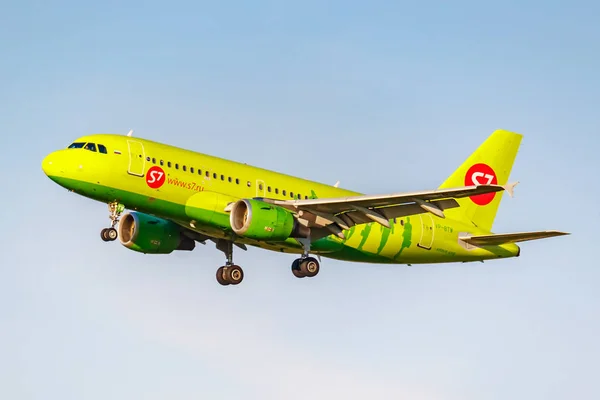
<point x="385" y="97"/>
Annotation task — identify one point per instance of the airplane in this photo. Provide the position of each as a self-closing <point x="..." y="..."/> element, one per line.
<point x="163" y="198"/>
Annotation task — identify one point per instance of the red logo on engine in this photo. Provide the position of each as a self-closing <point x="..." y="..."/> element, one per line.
<point x="481" y="174"/>
<point x="155" y="177"/>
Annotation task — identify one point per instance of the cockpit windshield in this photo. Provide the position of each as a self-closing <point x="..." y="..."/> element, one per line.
<point x="90" y="147"/>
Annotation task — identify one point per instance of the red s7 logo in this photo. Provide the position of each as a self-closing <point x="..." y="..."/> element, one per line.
<point x="481" y="174"/>
<point x="155" y="177"/>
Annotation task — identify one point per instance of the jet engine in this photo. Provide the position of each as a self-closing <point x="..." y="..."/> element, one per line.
<point x="147" y="234"/>
<point x="255" y="219"/>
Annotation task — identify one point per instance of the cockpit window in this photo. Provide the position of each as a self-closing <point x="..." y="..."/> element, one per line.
<point x="77" y="145"/>
<point x="90" y="147"/>
<point x="102" y="149"/>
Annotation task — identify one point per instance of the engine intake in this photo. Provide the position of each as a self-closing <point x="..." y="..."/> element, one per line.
<point x="258" y="220"/>
<point x="147" y="234"/>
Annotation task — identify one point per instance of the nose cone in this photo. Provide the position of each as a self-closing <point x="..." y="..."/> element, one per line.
<point x="50" y="165"/>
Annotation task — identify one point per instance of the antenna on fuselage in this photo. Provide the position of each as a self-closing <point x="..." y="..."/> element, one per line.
<point x="130" y="133"/>
<point x="337" y="184"/>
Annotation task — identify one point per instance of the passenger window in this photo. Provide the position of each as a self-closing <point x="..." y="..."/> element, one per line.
<point x="192" y="170"/>
<point x="260" y="186"/>
<point x="102" y="149"/>
<point x="215" y="175"/>
<point x="305" y="197"/>
<point x="237" y="181"/>
<point x="199" y="172"/>
<point x="153" y="160"/>
<point x="176" y="166"/>
<point x="148" y="159"/>
<point x="249" y="184"/>
<point x="229" y="179"/>
<point x="269" y="189"/>
<point x="283" y="192"/>
<point x="276" y="191"/>
<point x="90" y="147"/>
<point x="162" y="162"/>
<point x="184" y="168"/>
<point x="292" y="195"/>
<point x="222" y="177"/>
<point x="77" y="145"/>
<point x="169" y="164"/>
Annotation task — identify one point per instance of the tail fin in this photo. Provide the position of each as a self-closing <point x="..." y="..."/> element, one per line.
<point x="491" y="163"/>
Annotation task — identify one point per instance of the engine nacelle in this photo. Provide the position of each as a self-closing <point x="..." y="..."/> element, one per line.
<point x="258" y="220"/>
<point x="148" y="234"/>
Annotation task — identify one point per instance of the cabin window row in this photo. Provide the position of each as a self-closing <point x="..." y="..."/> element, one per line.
<point x="283" y="192"/>
<point x="193" y="170"/>
<point x="229" y="179"/>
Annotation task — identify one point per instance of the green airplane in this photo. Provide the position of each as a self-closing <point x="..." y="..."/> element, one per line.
<point x="177" y="197"/>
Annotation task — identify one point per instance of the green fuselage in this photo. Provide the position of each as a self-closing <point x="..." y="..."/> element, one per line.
<point x="193" y="190"/>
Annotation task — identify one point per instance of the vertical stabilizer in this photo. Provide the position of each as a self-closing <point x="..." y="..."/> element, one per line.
<point x="491" y="163"/>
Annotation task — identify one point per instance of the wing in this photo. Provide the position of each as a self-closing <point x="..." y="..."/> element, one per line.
<point x="337" y="214"/>
<point x="497" y="239"/>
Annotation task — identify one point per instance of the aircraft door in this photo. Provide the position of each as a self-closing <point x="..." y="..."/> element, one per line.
<point x="427" y="231"/>
<point x="137" y="162"/>
<point x="260" y="188"/>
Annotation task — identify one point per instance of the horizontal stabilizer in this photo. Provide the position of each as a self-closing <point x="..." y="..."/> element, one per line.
<point x="502" y="238"/>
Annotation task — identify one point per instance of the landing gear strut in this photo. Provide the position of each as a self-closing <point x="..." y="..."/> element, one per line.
<point x="110" y="234"/>
<point x="230" y="274"/>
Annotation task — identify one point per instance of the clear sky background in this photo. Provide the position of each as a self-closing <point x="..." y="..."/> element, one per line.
<point x="384" y="96"/>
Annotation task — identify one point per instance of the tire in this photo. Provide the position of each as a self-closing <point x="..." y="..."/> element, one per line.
<point x="310" y="267"/>
<point x="112" y="234"/>
<point x="103" y="235"/>
<point x="220" y="277"/>
<point x="296" y="269"/>
<point x="234" y="274"/>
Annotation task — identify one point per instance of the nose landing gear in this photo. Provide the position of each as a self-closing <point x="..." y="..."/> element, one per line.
<point x="230" y="274"/>
<point x="110" y="234"/>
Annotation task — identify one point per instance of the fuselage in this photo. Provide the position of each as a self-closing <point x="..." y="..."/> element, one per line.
<point x="194" y="189"/>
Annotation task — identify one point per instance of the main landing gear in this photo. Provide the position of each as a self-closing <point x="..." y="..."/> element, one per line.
<point x="305" y="267"/>
<point x="229" y="274"/>
<point x="110" y="234"/>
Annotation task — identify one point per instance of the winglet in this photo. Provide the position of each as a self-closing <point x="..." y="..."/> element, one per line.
<point x="510" y="188"/>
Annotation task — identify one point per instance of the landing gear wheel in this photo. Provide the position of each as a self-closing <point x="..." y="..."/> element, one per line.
<point x="234" y="274"/>
<point x="230" y="275"/>
<point x="221" y="276"/>
<point x="103" y="234"/>
<point x="309" y="267"/>
<point x="296" y="268"/>
<point x="111" y="234"/>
